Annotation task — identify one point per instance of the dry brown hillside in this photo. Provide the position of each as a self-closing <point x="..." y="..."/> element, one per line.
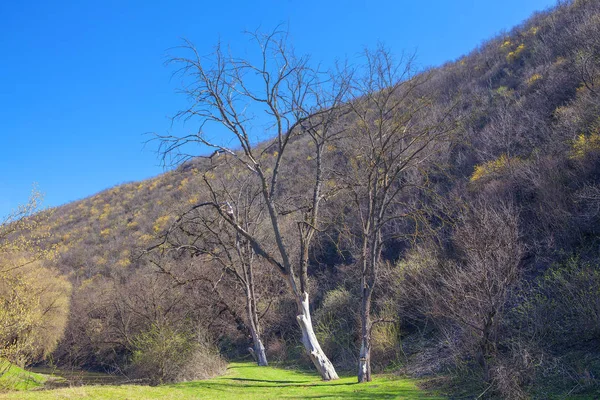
<point x="522" y="169"/>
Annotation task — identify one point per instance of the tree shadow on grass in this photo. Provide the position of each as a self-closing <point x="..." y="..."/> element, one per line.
<point x="404" y="395"/>
<point x="264" y="380"/>
<point x="254" y="383"/>
<point x="353" y="390"/>
<point x="306" y="386"/>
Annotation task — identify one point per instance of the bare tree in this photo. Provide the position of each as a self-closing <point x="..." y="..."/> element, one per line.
<point x="282" y="95"/>
<point x="471" y="291"/>
<point x="478" y="289"/>
<point x="394" y="132"/>
<point x="202" y="233"/>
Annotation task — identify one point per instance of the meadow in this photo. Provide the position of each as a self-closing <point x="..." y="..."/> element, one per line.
<point x="245" y="381"/>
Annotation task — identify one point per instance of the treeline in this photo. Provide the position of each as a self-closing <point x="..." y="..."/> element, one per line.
<point x="455" y="231"/>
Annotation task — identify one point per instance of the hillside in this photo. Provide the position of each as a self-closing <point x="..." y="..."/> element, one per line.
<point x="525" y="151"/>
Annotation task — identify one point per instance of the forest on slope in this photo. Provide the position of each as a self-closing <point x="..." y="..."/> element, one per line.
<point x="489" y="275"/>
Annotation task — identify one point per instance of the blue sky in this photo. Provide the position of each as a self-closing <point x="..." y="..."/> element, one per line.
<point x="81" y="82"/>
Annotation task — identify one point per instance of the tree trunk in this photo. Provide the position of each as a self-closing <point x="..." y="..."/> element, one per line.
<point x="259" y="352"/>
<point x="311" y="344"/>
<point x="257" y="346"/>
<point x="485" y="347"/>
<point x="364" y="361"/>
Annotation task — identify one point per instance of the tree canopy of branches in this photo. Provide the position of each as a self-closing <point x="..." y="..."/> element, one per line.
<point x="282" y="94"/>
<point x="34" y="300"/>
<point x="472" y="291"/>
<point x="395" y="132"/>
<point x="226" y="258"/>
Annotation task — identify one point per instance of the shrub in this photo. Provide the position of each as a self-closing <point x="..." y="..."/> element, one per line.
<point x="386" y="343"/>
<point x="585" y="144"/>
<point x="34" y="304"/>
<point x="166" y="354"/>
<point x="514" y="55"/>
<point x="336" y="327"/>
<point x="494" y="167"/>
<point x="567" y="302"/>
<point x="533" y="79"/>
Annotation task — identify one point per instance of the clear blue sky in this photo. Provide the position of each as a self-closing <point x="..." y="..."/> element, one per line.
<point x="82" y="81"/>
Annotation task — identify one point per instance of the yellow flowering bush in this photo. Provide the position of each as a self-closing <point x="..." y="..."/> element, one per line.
<point x="533" y="79"/>
<point x="161" y="223"/>
<point x="496" y="166"/>
<point x="585" y="144"/>
<point x="513" y="55"/>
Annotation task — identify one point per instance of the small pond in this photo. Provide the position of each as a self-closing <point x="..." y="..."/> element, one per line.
<point x="76" y="377"/>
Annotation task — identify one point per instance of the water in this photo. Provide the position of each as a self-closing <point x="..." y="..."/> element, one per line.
<point x="74" y="377"/>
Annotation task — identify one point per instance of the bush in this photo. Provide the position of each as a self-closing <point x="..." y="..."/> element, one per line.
<point x="336" y="327"/>
<point x="167" y="354"/>
<point x="34" y="305"/>
<point x="386" y="344"/>
<point x="565" y="305"/>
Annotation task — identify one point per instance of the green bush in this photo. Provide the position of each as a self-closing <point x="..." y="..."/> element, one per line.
<point x="167" y="354"/>
<point x="561" y="316"/>
<point x="565" y="305"/>
<point x="386" y="343"/>
<point x="336" y="327"/>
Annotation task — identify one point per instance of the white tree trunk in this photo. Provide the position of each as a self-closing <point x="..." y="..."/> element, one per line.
<point x="259" y="351"/>
<point x="311" y="344"/>
<point x="364" y="362"/>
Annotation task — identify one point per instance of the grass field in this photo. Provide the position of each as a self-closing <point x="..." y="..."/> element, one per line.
<point x="15" y="378"/>
<point x="246" y="381"/>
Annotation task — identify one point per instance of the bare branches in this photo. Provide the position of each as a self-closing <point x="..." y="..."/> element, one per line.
<point x="471" y="292"/>
<point x="276" y="94"/>
<point x="395" y="133"/>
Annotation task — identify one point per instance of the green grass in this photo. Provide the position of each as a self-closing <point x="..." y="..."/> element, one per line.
<point x="17" y="379"/>
<point x="247" y="381"/>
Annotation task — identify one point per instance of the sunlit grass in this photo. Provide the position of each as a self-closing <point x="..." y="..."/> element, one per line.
<point x="247" y="381"/>
<point x="15" y="378"/>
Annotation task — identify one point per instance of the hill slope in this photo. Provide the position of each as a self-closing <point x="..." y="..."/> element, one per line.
<point x="530" y="135"/>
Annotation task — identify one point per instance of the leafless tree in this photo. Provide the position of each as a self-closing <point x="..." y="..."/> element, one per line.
<point x="490" y="241"/>
<point x="395" y="131"/>
<point x="471" y="291"/>
<point x="202" y="233"/>
<point x="282" y="94"/>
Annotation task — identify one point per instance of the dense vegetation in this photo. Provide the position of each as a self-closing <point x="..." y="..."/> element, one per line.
<point x="34" y="298"/>
<point x="488" y="275"/>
